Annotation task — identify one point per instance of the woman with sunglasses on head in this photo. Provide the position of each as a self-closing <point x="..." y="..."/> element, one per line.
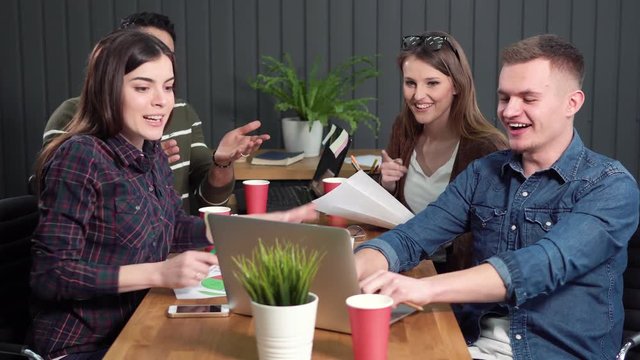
<point x="439" y="130"/>
<point x="109" y="215"/>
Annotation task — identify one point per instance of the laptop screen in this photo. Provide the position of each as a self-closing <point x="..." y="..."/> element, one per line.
<point x="287" y="194"/>
<point x="336" y="145"/>
<point x="336" y="277"/>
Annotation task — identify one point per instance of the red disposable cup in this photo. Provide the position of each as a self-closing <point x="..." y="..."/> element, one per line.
<point x="256" y="193"/>
<point x="218" y="210"/>
<point x="332" y="183"/>
<point x="369" y="315"/>
<point x="328" y="185"/>
<point x="336" y="221"/>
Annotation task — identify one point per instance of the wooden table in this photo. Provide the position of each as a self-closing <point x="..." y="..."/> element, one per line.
<point x="301" y="170"/>
<point x="149" y="334"/>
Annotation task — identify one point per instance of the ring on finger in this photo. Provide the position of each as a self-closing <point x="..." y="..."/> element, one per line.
<point x="244" y="155"/>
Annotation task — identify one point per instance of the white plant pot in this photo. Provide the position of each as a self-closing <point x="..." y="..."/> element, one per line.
<point x="285" y="332"/>
<point x="298" y="137"/>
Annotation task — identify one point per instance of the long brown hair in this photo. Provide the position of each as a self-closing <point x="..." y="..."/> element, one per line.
<point x="465" y="116"/>
<point x="100" y="109"/>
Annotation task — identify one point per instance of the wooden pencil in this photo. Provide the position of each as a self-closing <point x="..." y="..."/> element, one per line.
<point x="355" y="163"/>
<point x="373" y="167"/>
<point x="413" y="306"/>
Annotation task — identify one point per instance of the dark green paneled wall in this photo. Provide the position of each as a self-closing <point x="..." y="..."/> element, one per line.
<point x="45" y="44"/>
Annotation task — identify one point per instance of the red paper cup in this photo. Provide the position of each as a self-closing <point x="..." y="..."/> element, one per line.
<point x="218" y="210"/>
<point x="328" y="185"/>
<point x="256" y="193"/>
<point x="369" y="315"/>
<point x="337" y="221"/>
<point x="332" y="183"/>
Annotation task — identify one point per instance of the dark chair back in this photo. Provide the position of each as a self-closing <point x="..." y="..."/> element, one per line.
<point x="18" y="219"/>
<point x="632" y="294"/>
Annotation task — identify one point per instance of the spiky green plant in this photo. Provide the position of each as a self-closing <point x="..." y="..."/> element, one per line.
<point x="320" y="98"/>
<point x="278" y="275"/>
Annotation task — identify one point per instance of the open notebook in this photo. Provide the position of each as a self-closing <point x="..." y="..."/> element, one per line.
<point x="336" y="278"/>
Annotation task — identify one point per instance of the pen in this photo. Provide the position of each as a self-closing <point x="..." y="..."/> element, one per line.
<point x="413" y="306"/>
<point x="355" y="164"/>
<point x="372" y="169"/>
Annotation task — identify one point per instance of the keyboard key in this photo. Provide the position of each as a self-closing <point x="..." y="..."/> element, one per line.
<point x="281" y="197"/>
<point x="287" y="197"/>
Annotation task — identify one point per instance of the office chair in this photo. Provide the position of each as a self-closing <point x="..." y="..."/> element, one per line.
<point x="18" y="220"/>
<point x="631" y="299"/>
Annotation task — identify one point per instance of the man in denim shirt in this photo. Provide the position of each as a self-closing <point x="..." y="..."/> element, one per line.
<point x="551" y="221"/>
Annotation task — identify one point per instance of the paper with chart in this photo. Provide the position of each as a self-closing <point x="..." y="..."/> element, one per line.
<point x="362" y="199"/>
<point x="210" y="286"/>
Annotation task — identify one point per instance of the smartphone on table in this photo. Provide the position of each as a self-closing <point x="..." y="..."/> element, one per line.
<point x="182" y="311"/>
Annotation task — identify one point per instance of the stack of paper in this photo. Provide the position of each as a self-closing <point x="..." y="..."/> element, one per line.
<point x="211" y="286"/>
<point x="362" y="199"/>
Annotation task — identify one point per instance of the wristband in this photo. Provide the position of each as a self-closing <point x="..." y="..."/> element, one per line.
<point x="213" y="157"/>
<point x="199" y="192"/>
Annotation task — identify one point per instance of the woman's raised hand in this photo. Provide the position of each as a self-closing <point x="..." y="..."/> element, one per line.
<point x="391" y="170"/>
<point x="237" y="143"/>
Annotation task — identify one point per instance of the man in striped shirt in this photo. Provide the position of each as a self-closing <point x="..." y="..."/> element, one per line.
<point x="200" y="178"/>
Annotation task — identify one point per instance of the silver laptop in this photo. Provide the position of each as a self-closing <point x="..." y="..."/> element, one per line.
<point x="336" y="278"/>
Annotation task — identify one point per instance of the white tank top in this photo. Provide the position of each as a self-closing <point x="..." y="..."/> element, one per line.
<point x="419" y="189"/>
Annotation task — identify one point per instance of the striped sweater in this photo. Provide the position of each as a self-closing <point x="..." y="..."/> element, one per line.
<point x="189" y="173"/>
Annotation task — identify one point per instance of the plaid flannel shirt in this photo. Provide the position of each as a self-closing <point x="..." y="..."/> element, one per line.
<point x="103" y="204"/>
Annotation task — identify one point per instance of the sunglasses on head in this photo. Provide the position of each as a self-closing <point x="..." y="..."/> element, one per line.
<point x="431" y="42"/>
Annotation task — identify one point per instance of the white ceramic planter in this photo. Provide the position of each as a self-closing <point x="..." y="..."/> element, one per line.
<point x="285" y="332"/>
<point x="298" y="137"/>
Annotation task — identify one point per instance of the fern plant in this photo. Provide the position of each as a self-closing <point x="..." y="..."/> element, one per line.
<point x="320" y="98"/>
<point x="278" y="275"/>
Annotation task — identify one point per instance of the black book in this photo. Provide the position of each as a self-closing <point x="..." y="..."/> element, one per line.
<point x="275" y="157"/>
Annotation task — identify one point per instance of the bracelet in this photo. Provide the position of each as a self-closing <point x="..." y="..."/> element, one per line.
<point x="199" y="193"/>
<point x="213" y="157"/>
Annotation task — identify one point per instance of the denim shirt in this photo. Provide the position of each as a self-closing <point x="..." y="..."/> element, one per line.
<point x="558" y="239"/>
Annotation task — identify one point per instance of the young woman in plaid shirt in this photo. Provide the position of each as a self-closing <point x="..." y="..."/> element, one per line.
<point x="109" y="213"/>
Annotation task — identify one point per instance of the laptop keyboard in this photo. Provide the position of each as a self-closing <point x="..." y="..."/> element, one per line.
<point x="287" y="197"/>
<point x="283" y="196"/>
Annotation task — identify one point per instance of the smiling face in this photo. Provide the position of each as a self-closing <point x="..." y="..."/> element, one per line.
<point x="147" y="100"/>
<point x="536" y="105"/>
<point x="427" y="91"/>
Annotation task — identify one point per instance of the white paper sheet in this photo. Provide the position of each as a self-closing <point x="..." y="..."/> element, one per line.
<point x="361" y="199"/>
<point x="209" y="287"/>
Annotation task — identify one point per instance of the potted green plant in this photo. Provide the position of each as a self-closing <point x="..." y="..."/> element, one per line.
<point x="316" y="99"/>
<point x="277" y="278"/>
